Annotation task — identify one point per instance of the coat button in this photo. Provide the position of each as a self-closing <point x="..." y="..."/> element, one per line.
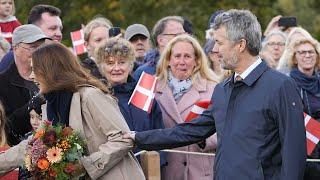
<point x="100" y="165"/>
<point x="185" y="163"/>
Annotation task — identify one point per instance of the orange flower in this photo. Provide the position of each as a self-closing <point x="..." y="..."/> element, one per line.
<point x="64" y="145"/>
<point x="43" y="164"/>
<point x="54" y="154"/>
<point x="39" y="133"/>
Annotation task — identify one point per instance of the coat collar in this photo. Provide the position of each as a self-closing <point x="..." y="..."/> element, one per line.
<point x="165" y="98"/>
<point x="252" y="77"/>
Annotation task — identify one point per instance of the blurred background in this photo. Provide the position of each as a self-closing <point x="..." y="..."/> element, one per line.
<point x="125" y="12"/>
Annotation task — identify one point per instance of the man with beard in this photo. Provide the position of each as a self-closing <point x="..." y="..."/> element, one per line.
<point x="139" y="37"/>
<point x="257" y="112"/>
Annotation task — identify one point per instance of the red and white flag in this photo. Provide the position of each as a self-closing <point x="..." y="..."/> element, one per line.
<point x="143" y="94"/>
<point x="77" y="38"/>
<point x="312" y="132"/>
<point x="197" y="109"/>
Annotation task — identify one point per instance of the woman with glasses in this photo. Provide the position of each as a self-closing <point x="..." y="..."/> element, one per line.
<point x="295" y="33"/>
<point x="304" y="62"/>
<point x="273" y="44"/>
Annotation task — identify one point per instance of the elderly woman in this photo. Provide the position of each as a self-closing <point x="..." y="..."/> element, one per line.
<point x="274" y="44"/>
<point x="185" y="79"/>
<point x="115" y="59"/>
<point x="95" y="32"/>
<point x="78" y="100"/>
<point x="304" y="61"/>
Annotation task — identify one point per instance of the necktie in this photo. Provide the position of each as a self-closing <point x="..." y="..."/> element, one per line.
<point x="238" y="78"/>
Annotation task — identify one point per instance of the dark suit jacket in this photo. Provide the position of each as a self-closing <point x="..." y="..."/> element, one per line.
<point x="15" y="92"/>
<point x="260" y="128"/>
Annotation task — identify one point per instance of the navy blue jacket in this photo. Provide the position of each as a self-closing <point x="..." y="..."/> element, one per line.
<point x="260" y="127"/>
<point x="6" y="61"/>
<point x="137" y="119"/>
<point x="151" y="59"/>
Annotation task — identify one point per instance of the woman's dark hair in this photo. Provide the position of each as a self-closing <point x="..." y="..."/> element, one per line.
<point x="57" y="68"/>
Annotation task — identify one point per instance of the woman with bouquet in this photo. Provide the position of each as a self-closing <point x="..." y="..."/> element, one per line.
<point x="76" y="99"/>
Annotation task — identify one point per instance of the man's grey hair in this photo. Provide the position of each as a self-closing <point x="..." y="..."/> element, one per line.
<point x="161" y="25"/>
<point x="273" y="33"/>
<point x="241" y="24"/>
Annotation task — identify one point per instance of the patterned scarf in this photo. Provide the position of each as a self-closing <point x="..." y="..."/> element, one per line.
<point x="178" y="87"/>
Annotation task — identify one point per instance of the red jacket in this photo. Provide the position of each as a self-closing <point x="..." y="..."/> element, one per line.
<point x="7" y="27"/>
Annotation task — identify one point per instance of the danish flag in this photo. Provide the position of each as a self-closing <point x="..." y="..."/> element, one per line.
<point x="312" y="132"/>
<point x="197" y="109"/>
<point x="143" y="94"/>
<point x="77" y="38"/>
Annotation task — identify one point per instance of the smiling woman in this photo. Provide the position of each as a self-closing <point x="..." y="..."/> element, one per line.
<point x="115" y="58"/>
<point x="304" y="62"/>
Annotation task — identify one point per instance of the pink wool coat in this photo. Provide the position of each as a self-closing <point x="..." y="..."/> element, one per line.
<point x="180" y="166"/>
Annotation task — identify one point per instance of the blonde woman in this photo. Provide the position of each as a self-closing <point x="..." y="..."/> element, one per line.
<point x="304" y="60"/>
<point x="184" y="79"/>
<point x="295" y="33"/>
<point x="95" y="32"/>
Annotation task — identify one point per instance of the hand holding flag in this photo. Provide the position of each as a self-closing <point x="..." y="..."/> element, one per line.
<point x="143" y="94"/>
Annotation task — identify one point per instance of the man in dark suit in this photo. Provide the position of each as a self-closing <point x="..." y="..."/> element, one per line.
<point x="257" y="112"/>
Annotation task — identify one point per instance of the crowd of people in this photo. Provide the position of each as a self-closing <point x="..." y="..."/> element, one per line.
<point x="259" y="86"/>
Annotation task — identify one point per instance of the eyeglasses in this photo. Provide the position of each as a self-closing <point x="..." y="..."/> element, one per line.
<point x="172" y="34"/>
<point x="31" y="49"/>
<point x="276" y="44"/>
<point x="304" y="53"/>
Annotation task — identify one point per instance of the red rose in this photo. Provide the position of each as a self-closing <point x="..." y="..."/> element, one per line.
<point x="50" y="138"/>
<point x="52" y="172"/>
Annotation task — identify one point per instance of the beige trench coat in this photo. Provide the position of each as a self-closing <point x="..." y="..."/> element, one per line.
<point x="98" y="119"/>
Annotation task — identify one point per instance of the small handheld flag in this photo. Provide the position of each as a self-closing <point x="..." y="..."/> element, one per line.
<point x="312" y="132"/>
<point x="77" y="38"/>
<point x="197" y="109"/>
<point x="143" y="94"/>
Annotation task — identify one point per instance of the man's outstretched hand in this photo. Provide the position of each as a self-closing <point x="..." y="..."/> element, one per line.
<point x="129" y="135"/>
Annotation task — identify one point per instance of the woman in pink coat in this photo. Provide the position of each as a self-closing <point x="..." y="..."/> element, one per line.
<point x="184" y="79"/>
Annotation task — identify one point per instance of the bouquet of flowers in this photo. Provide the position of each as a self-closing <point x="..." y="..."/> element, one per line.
<point x="54" y="152"/>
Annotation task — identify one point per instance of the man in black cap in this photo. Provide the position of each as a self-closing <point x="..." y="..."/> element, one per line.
<point x="17" y="88"/>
